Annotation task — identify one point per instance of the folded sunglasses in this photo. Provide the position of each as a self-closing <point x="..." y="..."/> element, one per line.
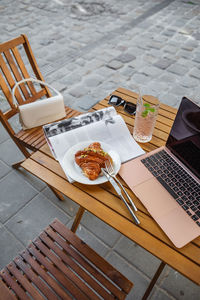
<point x="129" y="107"/>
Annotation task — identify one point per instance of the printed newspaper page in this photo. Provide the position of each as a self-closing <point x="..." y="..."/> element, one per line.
<point x="103" y="125"/>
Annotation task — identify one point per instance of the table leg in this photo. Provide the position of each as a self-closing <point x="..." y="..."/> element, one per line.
<point x="77" y="219"/>
<point x="153" y="281"/>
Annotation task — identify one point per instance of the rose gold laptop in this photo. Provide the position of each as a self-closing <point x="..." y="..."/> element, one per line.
<point x="167" y="180"/>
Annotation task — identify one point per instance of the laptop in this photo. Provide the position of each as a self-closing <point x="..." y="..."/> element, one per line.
<point x="167" y="180"/>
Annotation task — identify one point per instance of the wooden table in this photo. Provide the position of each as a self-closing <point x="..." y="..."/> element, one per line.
<point x="102" y="201"/>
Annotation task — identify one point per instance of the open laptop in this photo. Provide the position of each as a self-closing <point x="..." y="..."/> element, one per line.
<point x="167" y="180"/>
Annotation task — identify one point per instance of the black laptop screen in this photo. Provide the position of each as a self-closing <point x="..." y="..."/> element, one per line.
<point x="184" y="138"/>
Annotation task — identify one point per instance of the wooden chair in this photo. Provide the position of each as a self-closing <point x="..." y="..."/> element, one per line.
<point x="13" y="69"/>
<point x="58" y="265"/>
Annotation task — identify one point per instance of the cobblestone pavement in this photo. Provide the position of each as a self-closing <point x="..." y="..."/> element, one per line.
<point x="88" y="48"/>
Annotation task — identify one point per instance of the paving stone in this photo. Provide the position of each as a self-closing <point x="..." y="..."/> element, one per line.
<point x="168" y="78"/>
<point x="183" y="53"/>
<point x="155" y="44"/>
<point x="42" y="212"/>
<point x="136" y="256"/>
<point x="137" y="64"/>
<point x="151" y="71"/>
<point x="197" y="36"/>
<point x="136" y="51"/>
<point x="104" y="232"/>
<point x="9" y="153"/>
<point x="38" y="184"/>
<point x="78" y="90"/>
<point x="4" y="169"/>
<point x="128" y="71"/>
<point x="92" y="241"/>
<point x="115" y="64"/>
<point x="10" y="247"/>
<point x="197" y="57"/>
<point x="178" y="286"/>
<point x="94" y="64"/>
<point x="15" y="193"/>
<point x="158" y="294"/>
<point x="177" y="69"/>
<point x="163" y="63"/>
<point x="170" y="98"/>
<point x="105" y="72"/>
<point x="170" y="49"/>
<point x="169" y="32"/>
<point x="195" y="72"/>
<point x="86" y="102"/>
<point x="188" y="63"/>
<point x="110" y="86"/>
<point x="155" y="88"/>
<point x="125" y="57"/>
<point x="190" y="44"/>
<point x="178" y="90"/>
<point x="139" y="78"/>
<point x="140" y="282"/>
<point x="189" y="82"/>
<point x="92" y="80"/>
<point x="71" y="79"/>
<point x="68" y="206"/>
<point x="3" y="134"/>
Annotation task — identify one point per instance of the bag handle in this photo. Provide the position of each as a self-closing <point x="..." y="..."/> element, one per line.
<point x="32" y="80"/>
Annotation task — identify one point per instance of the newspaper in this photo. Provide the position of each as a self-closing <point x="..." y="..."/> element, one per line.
<point x="103" y="125"/>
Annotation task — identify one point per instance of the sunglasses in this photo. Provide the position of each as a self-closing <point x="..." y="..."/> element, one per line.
<point x="129" y="107"/>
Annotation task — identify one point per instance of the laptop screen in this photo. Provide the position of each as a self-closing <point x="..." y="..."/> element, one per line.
<point x="184" y="138"/>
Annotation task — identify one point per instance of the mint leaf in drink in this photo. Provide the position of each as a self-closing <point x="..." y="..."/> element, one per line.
<point x="148" y="109"/>
<point x="146" y="104"/>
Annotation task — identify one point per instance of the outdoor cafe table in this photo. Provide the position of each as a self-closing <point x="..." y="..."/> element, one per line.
<point x="102" y="201"/>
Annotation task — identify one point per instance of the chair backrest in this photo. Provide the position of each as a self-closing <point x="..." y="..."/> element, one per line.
<point x="59" y="264"/>
<point x="16" y="61"/>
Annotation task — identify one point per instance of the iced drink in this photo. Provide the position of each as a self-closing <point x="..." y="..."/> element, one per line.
<point x="145" y="119"/>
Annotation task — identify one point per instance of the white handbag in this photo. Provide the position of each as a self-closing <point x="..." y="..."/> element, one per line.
<point x="40" y="112"/>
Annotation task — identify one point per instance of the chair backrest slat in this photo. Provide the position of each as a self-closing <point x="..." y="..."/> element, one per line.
<point x="5" y="292"/>
<point x="12" y="282"/>
<point x="35" y="265"/>
<point x="24" y="281"/>
<point x="16" y="73"/>
<point x="23" y="69"/>
<point x="10" y="80"/>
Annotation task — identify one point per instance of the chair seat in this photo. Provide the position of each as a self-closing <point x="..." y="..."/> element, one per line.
<point x="57" y="264"/>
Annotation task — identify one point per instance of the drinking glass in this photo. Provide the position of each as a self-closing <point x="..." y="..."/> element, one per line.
<point x="145" y="119"/>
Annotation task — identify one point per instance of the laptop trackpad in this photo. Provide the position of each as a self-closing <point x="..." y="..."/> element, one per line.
<point x="155" y="198"/>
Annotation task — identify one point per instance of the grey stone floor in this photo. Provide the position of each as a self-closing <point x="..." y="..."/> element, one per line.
<point x="87" y="49"/>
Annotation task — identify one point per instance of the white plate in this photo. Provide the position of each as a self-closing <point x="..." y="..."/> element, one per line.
<point x="75" y="172"/>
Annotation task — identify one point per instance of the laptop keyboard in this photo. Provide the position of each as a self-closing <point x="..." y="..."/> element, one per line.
<point x="183" y="188"/>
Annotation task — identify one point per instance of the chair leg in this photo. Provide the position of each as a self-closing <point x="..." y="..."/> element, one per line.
<point x="57" y="193"/>
<point x="153" y="281"/>
<point x="77" y="219"/>
<point x="18" y="164"/>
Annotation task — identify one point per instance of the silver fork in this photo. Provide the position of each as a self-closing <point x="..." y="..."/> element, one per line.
<point x="111" y="172"/>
